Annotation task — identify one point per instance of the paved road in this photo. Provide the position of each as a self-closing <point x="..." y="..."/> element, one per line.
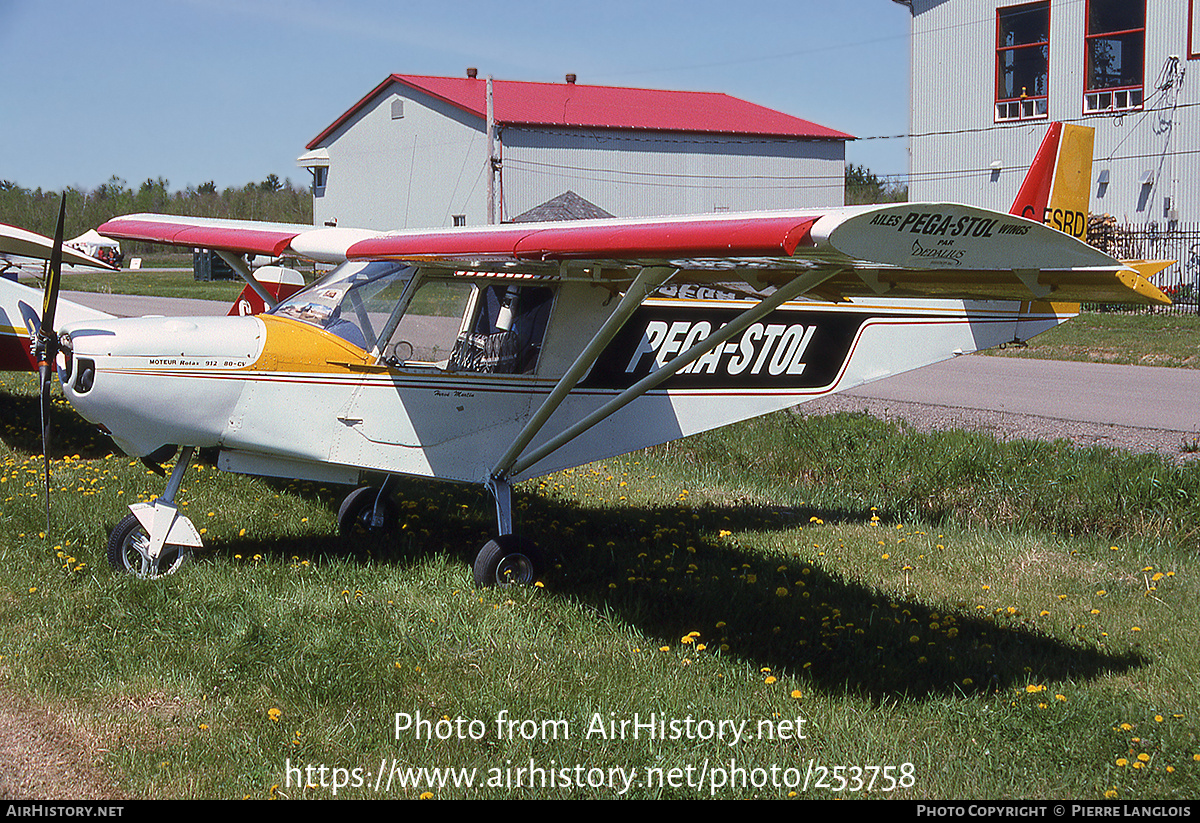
<point x="1134" y="396"/>
<point x="128" y="305"/>
<point x="1137" y="408"/>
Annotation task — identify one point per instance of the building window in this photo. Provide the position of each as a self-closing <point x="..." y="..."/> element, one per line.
<point x="1115" y="51"/>
<point x="1022" y="61"/>
<point x="320" y="176"/>
<point x="460" y="220"/>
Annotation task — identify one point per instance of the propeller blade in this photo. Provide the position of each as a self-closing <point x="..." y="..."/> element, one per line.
<point x="54" y="277"/>
<point x="47" y="342"/>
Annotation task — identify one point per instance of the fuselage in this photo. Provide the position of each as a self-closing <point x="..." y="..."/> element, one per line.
<point x="283" y="395"/>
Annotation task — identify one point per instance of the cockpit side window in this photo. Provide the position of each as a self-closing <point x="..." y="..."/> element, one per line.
<point x="430" y="325"/>
<point x="460" y="326"/>
<point x="505" y="335"/>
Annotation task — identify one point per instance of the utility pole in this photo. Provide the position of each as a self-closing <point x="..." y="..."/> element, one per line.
<point x="492" y="161"/>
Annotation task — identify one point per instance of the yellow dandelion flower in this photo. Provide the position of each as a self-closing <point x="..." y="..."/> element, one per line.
<point x="770" y="679"/>
<point x="274" y="714"/>
<point x="796" y="694"/>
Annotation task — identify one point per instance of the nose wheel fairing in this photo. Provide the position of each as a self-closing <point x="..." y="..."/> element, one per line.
<point x="155" y="539"/>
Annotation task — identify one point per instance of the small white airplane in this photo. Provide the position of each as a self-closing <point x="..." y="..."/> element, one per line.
<point x="496" y="354"/>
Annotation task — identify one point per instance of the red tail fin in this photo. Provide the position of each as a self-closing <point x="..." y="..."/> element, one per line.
<point x="1056" y="189"/>
<point x="279" y="282"/>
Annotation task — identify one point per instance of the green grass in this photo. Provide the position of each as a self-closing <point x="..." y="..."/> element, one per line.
<point x="161" y="275"/>
<point x="989" y="620"/>
<point x="1127" y="339"/>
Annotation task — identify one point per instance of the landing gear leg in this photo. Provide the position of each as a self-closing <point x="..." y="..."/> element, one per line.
<point x="154" y="539"/>
<point x="509" y="559"/>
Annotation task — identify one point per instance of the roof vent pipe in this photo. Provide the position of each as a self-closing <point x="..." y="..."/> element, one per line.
<point x="472" y="73"/>
<point x="571" y="79"/>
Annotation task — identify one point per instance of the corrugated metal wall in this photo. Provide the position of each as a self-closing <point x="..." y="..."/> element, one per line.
<point x="428" y="165"/>
<point x="1152" y="156"/>
<point x="416" y="165"/>
<point x="633" y="174"/>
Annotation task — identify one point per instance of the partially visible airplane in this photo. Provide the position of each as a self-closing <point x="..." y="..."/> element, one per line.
<point x="495" y="354"/>
<point x="19" y="305"/>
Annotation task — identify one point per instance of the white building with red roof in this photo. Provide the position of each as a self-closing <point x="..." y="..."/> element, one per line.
<point x="414" y="153"/>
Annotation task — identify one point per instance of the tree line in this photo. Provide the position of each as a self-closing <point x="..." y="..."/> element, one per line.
<point x="864" y="186"/>
<point x="36" y="210"/>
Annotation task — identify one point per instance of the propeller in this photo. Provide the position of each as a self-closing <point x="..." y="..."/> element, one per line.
<point x="46" y="348"/>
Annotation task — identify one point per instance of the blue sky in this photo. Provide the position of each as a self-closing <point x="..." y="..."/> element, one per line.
<point x="232" y="90"/>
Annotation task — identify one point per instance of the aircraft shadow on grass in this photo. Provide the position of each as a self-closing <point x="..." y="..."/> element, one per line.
<point x="669" y="571"/>
<point x="633" y="562"/>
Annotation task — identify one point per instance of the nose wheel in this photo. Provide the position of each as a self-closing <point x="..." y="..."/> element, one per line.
<point x="129" y="551"/>
<point x="155" y="539"/>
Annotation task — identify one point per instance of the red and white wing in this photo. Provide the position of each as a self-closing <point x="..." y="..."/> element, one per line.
<point x="326" y="245"/>
<point x="903" y="250"/>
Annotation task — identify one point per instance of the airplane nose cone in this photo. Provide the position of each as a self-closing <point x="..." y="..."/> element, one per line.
<point x="156" y="381"/>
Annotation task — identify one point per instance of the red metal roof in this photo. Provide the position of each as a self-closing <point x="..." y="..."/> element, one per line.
<point x="569" y="105"/>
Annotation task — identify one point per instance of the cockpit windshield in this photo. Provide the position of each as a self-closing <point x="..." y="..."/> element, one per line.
<point x="353" y="301"/>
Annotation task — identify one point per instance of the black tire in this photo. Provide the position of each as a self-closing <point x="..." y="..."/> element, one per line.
<point x="507" y="561"/>
<point x="356" y="514"/>
<point x="127" y="546"/>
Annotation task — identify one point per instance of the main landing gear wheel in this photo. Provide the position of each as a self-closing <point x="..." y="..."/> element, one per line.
<point x="128" y="551"/>
<point x="507" y="561"/>
<point x="359" y="515"/>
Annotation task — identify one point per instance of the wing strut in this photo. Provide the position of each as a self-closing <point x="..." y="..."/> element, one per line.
<point x="238" y="264"/>
<point x="794" y="288"/>
<point x="646" y="282"/>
